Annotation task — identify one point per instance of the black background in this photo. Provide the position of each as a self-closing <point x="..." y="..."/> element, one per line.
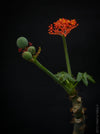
<point x="31" y="102"/>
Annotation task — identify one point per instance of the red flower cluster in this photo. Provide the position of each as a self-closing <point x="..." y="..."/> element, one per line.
<point x="21" y="50"/>
<point x="62" y="27"/>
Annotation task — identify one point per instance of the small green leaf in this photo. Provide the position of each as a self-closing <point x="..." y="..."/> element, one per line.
<point x="84" y="79"/>
<point x="79" y="76"/>
<point x="70" y="78"/>
<point x="63" y="76"/>
<point x="90" y="78"/>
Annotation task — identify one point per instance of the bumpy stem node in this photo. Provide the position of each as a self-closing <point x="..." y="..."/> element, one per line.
<point x="78" y="113"/>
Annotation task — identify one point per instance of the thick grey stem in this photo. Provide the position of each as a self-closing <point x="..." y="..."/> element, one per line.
<point x="78" y="113"/>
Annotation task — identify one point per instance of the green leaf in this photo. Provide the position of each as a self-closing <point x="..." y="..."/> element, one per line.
<point x="70" y="78"/>
<point x="90" y="78"/>
<point x="84" y="79"/>
<point x="79" y="76"/>
<point x="63" y="76"/>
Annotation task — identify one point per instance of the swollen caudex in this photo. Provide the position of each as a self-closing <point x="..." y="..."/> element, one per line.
<point x="76" y="108"/>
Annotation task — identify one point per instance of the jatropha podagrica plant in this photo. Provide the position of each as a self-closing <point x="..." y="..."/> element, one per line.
<point x="65" y="79"/>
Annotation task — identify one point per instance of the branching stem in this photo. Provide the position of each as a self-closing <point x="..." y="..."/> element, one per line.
<point x="50" y="74"/>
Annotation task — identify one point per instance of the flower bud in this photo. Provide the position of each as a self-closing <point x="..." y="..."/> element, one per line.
<point x="27" y="55"/>
<point x="22" y="42"/>
<point x="32" y="49"/>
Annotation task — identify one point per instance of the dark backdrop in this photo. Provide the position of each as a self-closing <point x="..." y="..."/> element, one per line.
<point x="31" y="101"/>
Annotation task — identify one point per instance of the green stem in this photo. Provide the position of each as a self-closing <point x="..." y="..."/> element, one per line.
<point x="66" y="55"/>
<point x="49" y="73"/>
<point x="44" y="69"/>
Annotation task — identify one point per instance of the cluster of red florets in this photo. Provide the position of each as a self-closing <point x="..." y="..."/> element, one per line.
<point x="62" y="27"/>
<point x="25" y="49"/>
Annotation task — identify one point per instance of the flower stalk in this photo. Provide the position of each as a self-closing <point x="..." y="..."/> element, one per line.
<point x="66" y="55"/>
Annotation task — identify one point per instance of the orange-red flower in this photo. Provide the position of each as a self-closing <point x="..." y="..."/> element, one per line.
<point x="62" y="27"/>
